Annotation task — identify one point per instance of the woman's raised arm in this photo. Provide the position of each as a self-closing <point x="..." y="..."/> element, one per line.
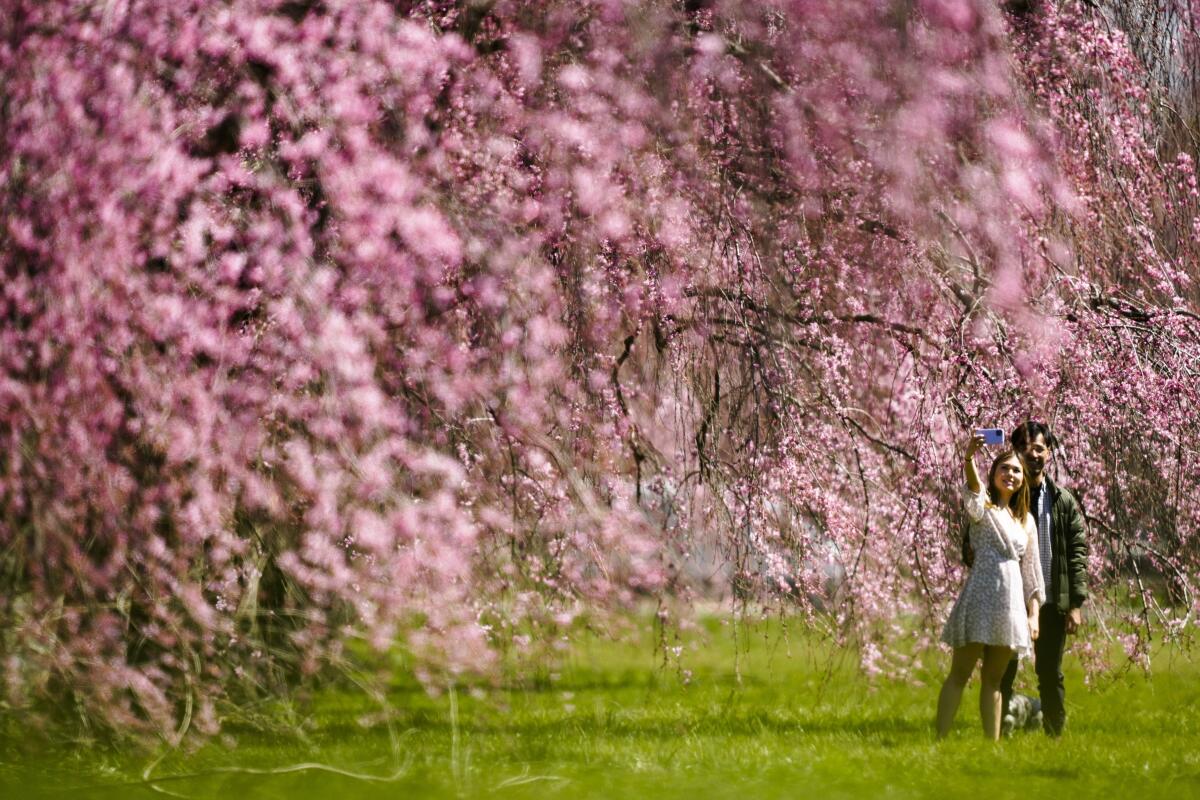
<point x="972" y="476"/>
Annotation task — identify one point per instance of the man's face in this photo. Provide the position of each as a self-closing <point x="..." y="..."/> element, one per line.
<point x="1036" y="454"/>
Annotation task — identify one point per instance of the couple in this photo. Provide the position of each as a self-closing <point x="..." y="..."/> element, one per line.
<point x="1025" y="544"/>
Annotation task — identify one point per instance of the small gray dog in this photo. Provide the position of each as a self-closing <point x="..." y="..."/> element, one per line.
<point x="1024" y="714"/>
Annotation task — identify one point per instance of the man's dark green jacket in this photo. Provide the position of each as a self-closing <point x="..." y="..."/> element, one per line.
<point x="1068" y="567"/>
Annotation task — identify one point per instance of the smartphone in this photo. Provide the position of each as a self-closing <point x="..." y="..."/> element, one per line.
<point x="991" y="435"/>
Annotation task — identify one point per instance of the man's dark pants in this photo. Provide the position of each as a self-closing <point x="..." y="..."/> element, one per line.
<point x="1048" y="651"/>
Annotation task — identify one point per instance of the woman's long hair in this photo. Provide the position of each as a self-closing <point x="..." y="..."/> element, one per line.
<point x="1019" y="502"/>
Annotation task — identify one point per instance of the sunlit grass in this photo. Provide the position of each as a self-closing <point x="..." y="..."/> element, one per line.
<point x="611" y="721"/>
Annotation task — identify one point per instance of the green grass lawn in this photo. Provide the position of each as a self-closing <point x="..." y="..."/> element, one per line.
<point x="609" y="721"/>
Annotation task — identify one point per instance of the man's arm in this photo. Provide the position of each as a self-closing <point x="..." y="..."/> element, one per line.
<point x="1077" y="557"/>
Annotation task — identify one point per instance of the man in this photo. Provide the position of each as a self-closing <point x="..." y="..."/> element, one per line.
<point x="1063" y="550"/>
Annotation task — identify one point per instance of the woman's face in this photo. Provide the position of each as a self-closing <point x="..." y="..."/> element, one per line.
<point x="1009" y="475"/>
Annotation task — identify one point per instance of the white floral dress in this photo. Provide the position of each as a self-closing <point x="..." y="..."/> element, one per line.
<point x="1006" y="573"/>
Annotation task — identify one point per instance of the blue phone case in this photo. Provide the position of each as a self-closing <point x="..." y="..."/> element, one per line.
<point x="992" y="435"/>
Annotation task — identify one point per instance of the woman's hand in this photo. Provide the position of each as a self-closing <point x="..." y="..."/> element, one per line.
<point x="1033" y="626"/>
<point x="976" y="441"/>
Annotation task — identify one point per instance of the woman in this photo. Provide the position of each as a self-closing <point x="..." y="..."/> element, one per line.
<point x="997" y="611"/>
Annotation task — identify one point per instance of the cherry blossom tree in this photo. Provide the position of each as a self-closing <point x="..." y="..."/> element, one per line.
<point x="430" y="327"/>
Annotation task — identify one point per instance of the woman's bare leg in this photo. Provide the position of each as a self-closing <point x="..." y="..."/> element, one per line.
<point x="961" y="667"/>
<point x="995" y="661"/>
